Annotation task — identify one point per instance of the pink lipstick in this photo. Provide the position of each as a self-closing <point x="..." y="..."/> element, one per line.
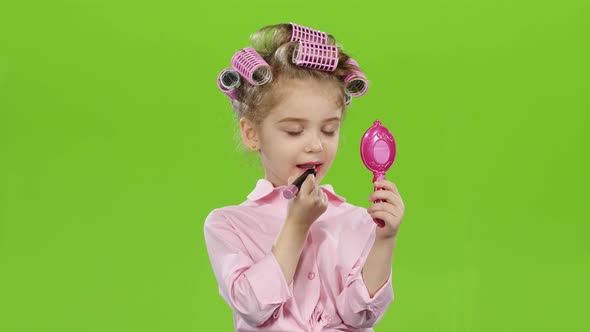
<point x="292" y="190"/>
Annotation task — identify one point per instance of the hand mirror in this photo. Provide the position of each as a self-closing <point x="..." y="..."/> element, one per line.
<point x="378" y="153"/>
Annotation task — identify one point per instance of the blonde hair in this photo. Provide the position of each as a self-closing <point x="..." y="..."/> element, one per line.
<point x="273" y="44"/>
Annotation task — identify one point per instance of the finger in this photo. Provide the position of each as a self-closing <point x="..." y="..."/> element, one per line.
<point x="383" y="215"/>
<point x="394" y="210"/>
<point x="291" y="179"/>
<point x="317" y="193"/>
<point x="382" y="206"/>
<point x="308" y="185"/>
<point x="323" y="197"/>
<point x="387" y="185"/>
<point x="384" y="195"/>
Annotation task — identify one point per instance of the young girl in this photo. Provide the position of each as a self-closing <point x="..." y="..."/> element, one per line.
<point x="315" y="262"/>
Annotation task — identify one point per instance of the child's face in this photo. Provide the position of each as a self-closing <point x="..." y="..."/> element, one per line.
<point x="304" y="127"/>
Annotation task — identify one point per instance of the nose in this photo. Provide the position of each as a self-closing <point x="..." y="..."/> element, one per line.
<point x="314" y="144"/>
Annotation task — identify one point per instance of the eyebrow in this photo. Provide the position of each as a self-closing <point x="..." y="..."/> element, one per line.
<point x="291" y="119"/>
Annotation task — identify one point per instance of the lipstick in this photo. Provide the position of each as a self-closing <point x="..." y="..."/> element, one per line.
<point x="292" y="190"/>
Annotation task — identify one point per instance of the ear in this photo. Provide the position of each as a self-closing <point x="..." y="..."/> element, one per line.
<point x="249" y="134"/>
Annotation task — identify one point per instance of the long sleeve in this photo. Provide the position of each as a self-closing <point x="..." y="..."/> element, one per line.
<point x="252" y="289"/>
<point x="354" y="303"/>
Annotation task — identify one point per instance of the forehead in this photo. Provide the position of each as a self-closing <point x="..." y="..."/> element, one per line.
<point x="307" y="100"/>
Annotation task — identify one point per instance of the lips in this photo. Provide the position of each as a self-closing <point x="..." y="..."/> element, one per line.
<point x="306" y="166"/>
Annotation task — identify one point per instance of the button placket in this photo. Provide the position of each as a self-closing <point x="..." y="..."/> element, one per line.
<point x="315" y="317"/>
<point x="326" y="319"/>
<point x="311" y="274"/>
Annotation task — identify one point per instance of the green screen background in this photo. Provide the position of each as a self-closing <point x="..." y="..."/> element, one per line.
<point x="115" y="144"/>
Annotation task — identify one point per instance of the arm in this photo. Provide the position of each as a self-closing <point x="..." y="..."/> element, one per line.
<point x="256" y="289"/>
<point x="365" y="298"/>
<point x="368" y="289"/>
<point x="378" y="265"/>
<point x="288" y="246"/>
<point x="301" y="213"/>
<point x="252" y="289"/>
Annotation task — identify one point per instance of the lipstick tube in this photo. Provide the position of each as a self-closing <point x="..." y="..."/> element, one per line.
<point x="292" y="190"/>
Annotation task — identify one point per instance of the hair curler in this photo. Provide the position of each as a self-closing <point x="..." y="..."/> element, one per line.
<point x="315" y="56"/>
<point x="251" y="66"/>
<point x="227" y="81"/>
<point x="292" y="190"/>
<point x="355" y="83"/>
<point x="300" y="32"/>
<point x="378" y="153"/>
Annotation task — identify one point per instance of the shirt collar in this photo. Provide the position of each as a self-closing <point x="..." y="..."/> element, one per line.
<point x="264" y="188"/>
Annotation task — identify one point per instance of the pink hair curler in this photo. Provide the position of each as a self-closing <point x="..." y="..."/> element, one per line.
<point x="315" y="56"/>
<point x="378" y="153"/>
<point x="300" y="32"/>
<point x="251" y="66"/>
<point x="355" y="83"/>
<point x="227" y="81"/>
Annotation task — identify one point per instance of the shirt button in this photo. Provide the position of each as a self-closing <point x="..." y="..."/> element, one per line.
<point x="310" y="275"/>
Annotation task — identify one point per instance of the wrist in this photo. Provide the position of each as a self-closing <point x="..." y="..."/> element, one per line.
<point x="386" y="234"/>
<point x="385" y="240"/>
<point x="297" y="225"/>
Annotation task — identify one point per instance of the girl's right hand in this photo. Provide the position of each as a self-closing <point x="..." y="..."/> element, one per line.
<point x="310" y="202"/>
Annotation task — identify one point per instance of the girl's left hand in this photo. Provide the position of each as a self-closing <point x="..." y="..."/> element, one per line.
<point x="391" y="210"/>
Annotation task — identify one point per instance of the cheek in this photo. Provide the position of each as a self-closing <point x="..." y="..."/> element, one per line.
<point x="284" y="150"/>
<point x="332" y="144"/>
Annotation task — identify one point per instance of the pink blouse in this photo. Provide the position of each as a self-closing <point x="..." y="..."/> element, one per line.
<point x="327" y="293"/>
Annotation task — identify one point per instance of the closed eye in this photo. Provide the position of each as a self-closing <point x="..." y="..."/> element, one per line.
<point x="297" y="133"/>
